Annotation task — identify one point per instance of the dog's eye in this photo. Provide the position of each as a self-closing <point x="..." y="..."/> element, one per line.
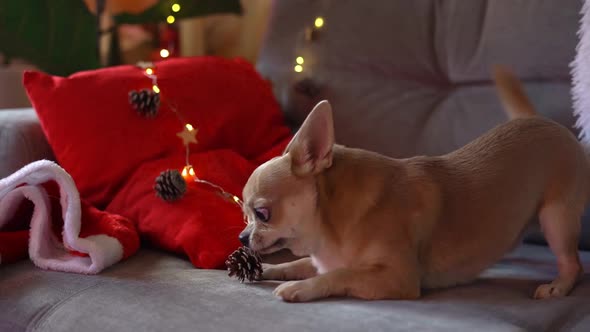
<point x="262" y="214"/>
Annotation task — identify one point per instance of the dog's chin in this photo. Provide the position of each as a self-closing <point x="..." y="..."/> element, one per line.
<point x="277" y="245"/>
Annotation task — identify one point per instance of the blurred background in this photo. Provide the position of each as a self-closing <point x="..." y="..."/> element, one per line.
<point x="64" y="36"/>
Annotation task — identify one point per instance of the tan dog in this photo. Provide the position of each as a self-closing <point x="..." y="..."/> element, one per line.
<point x="381" y="228"/>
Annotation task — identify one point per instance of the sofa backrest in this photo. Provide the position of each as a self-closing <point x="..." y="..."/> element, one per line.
<point x="413" y="77"/>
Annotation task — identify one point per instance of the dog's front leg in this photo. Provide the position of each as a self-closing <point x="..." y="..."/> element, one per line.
<point x="295" y="270"/>
<point x="370" y="283"/>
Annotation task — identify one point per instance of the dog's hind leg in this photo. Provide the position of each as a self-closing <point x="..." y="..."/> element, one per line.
<point x="561" y="227"/>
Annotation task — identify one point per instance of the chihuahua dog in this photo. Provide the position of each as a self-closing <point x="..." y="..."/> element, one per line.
<point x="374" y="227"/>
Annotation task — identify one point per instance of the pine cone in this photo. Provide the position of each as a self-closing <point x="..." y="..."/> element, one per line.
<point x="170" y="185"/>
<point x="244" y="264"/>
<point x="146" y="102"/>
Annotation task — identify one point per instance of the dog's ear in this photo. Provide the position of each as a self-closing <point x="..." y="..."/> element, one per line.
<point x="311" y="148"/>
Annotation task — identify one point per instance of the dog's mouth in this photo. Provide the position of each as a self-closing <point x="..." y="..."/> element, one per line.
<point x="275" y="246"/>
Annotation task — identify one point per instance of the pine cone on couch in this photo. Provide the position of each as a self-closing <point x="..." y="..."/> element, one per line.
<point x="244" y="264"/>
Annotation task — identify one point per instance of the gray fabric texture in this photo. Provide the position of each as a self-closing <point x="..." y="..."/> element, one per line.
<point x="154" y="291"/>
<point x="21" y="140"/>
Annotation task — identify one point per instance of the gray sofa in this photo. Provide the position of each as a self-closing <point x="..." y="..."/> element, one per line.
<point x="404" y="78"/>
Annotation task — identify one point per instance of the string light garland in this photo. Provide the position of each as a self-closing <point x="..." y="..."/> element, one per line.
<point x="170" y="19"/>
<point x="174" y="8"/>
<point x="188" y="136"/>
<point x="310" y="34"/>
<point x="189" y="132"/>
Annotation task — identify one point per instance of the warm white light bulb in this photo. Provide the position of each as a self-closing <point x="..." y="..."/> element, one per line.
<point x="299" y="60"/>
<point x="170" y="19"/>
<point x="164" y="53"/>
<point x="298" y="68"/>
<point x="156" y="89"/>
<point x="176" y="8"/>
<point x="149" y="71"/>
<point x="319" y="22"/>
<point x="188" y="171"/>
<point x="189" y="127"/>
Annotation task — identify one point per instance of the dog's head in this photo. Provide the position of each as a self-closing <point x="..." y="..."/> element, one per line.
<point x="280" y="197"/>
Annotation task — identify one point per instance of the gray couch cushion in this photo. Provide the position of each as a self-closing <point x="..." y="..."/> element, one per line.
<point x="413" y="77"/>
<point x="154" y="291"/>
<point x="21" y="140"/>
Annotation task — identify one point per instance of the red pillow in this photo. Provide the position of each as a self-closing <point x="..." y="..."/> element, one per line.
<point x="100" y="140"/>
<point x="115" y="154"/>
<point x="203" y="225"/>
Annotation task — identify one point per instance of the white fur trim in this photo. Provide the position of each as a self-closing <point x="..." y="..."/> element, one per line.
<point x="45" y="250"/>
<point x="581" y="77"/>
<point x="108" y="250"/>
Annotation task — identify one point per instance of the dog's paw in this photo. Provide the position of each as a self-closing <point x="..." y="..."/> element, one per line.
<point x="296" y="291"/>
<point x="547" y="291"/>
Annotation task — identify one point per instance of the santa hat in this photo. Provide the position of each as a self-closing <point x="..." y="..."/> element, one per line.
<point x="87" y="240"/>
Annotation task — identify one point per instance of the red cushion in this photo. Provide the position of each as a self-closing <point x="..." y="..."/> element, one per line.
<point x="203" y="225"/>
<point x="14" y="246"/>
<point x="100" y="140"/>
<point x="114" y="154"/>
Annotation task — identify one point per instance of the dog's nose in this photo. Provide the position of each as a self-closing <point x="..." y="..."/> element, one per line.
<point x="245" y="238"/>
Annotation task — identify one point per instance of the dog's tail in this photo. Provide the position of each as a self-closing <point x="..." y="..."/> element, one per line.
<point x="512" y="94"/>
